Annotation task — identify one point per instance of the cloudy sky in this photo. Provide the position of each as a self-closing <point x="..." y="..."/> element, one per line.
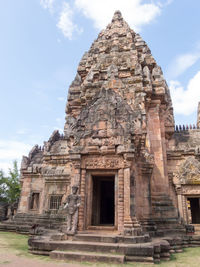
<point x="42" y="42"/>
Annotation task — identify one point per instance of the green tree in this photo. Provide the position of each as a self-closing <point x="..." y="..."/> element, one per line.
<point x="10" y="185"/>
<point x="2" y="187"/>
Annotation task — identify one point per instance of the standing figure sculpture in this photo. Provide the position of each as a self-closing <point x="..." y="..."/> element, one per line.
<point x="73" y="202"/>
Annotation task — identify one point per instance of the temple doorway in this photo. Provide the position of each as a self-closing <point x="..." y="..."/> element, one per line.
<point x="103" y="204"/>
<point x="195" y="210"/>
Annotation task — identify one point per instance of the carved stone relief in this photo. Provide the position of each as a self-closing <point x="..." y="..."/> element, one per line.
<point x="189" y="171"/>
<point x="102" y="163"/>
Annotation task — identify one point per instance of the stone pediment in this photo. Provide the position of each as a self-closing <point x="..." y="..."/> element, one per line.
<point x="108" y="115"/>
<point x="189" y="171"/>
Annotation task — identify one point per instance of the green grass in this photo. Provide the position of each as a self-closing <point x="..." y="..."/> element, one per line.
<point x="17" y="244"/>
<point x="14" y="241"/>
<point x="4" y="262"/>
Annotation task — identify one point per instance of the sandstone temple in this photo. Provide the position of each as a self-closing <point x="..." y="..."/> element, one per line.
<point x="135" y="175"/>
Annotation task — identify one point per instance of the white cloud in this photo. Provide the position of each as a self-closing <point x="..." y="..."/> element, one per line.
<point x="10" y="151"/>
<point x="134" y="12"/>
<point x="64" y="15"/>
<point x="65" y="23"/>
<point x="185" y="101"/>
<point x="48" y="4"/>
<point x="182" y="62"/>
<point x="164" y="3"/>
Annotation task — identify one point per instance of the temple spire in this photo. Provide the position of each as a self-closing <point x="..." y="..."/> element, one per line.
<point x="117" y="16"/>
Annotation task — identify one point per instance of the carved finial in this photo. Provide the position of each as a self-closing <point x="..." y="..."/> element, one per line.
<point x="117" y="16"/>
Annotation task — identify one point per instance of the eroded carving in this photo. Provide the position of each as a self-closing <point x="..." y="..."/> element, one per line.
<point x="103" y="163"/>
<point x="189" y="171"/>
<point x="55" y="136"/>
<point x="148" y="157"/>
<point x="25" y="162"/>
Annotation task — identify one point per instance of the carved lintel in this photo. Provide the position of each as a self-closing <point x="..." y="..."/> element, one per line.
<point x="103" y="163"/>
<point x="190" y="190"/>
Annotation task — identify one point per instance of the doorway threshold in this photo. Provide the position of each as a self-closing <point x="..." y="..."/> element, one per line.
<point x="102" y="227"/>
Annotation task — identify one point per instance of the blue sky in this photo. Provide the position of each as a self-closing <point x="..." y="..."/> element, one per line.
<point x="42" y="42"/>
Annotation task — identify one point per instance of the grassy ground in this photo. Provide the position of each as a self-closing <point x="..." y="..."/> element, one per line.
<point x="17" y="245"/>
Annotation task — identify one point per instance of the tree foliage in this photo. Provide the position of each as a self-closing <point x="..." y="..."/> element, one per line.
<point x="10" y="185"/>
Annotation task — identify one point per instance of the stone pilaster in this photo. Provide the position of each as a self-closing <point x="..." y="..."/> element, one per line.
<point x="120" y="200"/>
<point x="131" y="225"/>
<point x="159" y="181"/>
<point x="81" y="208"/>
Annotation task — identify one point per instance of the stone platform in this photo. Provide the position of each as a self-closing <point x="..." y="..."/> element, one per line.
<point x="94" y="247"/>
<point x="23" y="223"/>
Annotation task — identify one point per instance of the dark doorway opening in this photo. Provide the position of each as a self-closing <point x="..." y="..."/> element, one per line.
<point x="195" y="209"/>
<point x="103" y="204"/>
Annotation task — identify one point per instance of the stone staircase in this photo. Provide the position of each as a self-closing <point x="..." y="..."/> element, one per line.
<point x="165" y="216"/>
<point x="101" y="248"/>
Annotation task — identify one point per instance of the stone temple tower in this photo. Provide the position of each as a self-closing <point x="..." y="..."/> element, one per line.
<point x="119" y="119"/>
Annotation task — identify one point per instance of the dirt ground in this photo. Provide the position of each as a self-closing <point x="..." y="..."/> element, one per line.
<point x="8" y="259"/>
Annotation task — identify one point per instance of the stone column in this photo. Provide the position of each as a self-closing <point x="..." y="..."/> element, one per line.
<point x="180" y="201"/>
<point x="185" y="208"/>
<point x="120" y="204"/>
<point x="82" y="206"/>
<point x="131" y="225"/>
<point x="160" y="180"/>
<point x="25" y="196"/>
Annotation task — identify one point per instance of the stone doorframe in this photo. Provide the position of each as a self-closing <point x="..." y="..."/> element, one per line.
<point x="89" y="195"/>
<point x="101" y="165"/>
<point x="116" y="165"/>
<point x="185" y="191"/>
<point x="188" y="212"/>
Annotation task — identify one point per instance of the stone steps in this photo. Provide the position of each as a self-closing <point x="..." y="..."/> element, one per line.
<point x="112" y="239"/>
<point x="144" y="259"/>
<point x="87" y="256"/>
<point x="14" y="228"/>
<point x="110" y="248"/>
<point x="142" y="249"/>
<point x="95" y="251"/>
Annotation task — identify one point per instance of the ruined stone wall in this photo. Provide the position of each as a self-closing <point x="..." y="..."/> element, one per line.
<point x="46" y="171"/>
<point x="184" y="167"/>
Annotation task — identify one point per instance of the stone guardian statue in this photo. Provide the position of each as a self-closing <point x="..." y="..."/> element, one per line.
<point x="73" y="202"/>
